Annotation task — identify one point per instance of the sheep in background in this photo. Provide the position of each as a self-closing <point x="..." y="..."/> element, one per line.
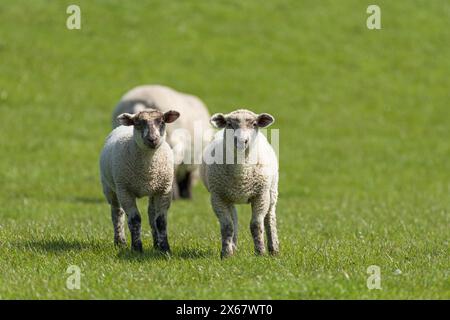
<point x="194" y="113"/>
<point x="252" y="180"/>
<point x="136" y="161"/>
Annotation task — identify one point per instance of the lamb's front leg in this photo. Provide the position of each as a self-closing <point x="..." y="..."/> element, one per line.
<point x="260" y="207"/>
<point x="162" y="204"/>
<point x="128" y="203"/>
<point x="235" y="228"/>
<point x="223" y="211"/>
<point x="152" y="220"/>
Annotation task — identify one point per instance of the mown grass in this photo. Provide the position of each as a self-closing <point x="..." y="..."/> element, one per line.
<point x="364" y="158"/>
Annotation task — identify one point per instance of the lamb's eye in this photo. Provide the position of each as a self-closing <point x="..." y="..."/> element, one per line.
<point x="255" y="124"/>
<point x="139" y="125"/>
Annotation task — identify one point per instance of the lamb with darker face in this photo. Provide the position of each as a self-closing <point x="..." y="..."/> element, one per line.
<point x="136" y="161"/>
<point x="181" y="135"/>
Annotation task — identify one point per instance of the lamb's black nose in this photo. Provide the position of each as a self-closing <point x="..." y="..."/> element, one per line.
<point x="151" y="141"/>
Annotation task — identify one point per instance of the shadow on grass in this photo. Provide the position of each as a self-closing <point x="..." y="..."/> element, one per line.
<point x="57" y="245"/>
<point x="152" y="254"/>
<point x="124" y="253"/>
<point x="193" y="253"/>
<point x="85" y="200"/>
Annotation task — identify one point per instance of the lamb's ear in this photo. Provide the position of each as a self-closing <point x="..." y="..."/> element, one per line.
<point x="170" y="116"/>
<point x="218" y="120"/>
<point x="126" y="119"/>
<point x="264" y="120"/>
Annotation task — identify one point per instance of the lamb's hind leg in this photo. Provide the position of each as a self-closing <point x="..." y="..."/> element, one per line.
<point x="175" y="189"/>
<point x="117" y="217"/>
<point x="270" y="222"/>
<point x="185" y="186"/>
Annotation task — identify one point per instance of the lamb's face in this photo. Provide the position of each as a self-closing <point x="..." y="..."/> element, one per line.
<point x="149" y="126"/>
<point x="243" y="124"/>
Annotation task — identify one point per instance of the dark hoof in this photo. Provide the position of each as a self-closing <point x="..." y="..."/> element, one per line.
<point x="137" y="247"/>
<point x="185" y="193"/>
<point x="163" y="247"/>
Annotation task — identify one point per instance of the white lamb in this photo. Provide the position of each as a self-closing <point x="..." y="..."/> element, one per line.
<point x="136" y="161"/>
<point x="240" y="166"/>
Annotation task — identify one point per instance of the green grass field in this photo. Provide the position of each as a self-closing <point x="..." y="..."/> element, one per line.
<point x="364" y="119"/>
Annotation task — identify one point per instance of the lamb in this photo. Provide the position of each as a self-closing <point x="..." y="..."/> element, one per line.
<point x="180" y="136"/>
<point x="253" y="179"/>
<point x="136" y="161"/>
